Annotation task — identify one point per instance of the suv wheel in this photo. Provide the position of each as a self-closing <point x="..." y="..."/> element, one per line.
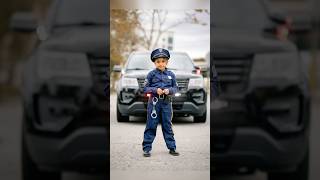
<point x="200" y="119"/>
<point x="31" y="172"/>
<point x="301" y="173"/>
<point x="121" y="118"/>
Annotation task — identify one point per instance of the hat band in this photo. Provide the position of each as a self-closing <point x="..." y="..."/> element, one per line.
<point x="160" y="55"/>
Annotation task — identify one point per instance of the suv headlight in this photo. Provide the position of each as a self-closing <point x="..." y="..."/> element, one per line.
<point x="196" y="83"/>
<point x="198" y="96"/>
<point x="127" y="82"/>
<point x="284" y="68"/>
<point x="128" y="87"/>
<point x="55" y="114"/>
<point x="62" y="65"/>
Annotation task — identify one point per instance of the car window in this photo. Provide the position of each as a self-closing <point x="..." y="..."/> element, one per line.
<point x="81" y="12"/>
<point x="176" y="62"/>
<point x="239" y="14"/>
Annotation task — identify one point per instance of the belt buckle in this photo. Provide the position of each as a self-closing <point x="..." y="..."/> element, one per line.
<point x="161" y="96"/>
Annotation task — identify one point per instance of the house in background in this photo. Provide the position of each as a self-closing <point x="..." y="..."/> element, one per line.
<point x="166" y="40"/>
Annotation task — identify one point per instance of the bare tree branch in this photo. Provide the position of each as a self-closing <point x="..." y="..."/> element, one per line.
<point x="159" y="18"/>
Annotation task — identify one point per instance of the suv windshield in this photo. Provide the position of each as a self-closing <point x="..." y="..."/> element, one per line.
<point x="239" y="14"/>
<point x="81" y="12"/>
<point x="176" y="62"/>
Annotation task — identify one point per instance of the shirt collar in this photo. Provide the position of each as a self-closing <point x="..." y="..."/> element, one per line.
<point x="164" y="72"/>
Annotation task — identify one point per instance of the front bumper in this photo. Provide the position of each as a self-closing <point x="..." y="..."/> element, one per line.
<point x="184" y="108"/>
<point x="83" y="150"/>
<point x="255" y="148"/>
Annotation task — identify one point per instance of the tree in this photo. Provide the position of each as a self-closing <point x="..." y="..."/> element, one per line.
<point x="123" y="34"/>
<point x="157" y="18"/>
<point x="123" y="37"/>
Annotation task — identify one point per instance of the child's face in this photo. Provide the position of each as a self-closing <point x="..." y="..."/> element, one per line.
<point x="161" y="63"/>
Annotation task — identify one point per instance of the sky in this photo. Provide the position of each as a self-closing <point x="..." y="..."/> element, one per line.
<point x="191" y="38"/>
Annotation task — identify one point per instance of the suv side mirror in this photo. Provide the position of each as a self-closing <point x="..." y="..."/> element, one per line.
<point x="281" y="26"/>
<point x="279" y="18"/>
<point x="23" y="22"/>
<point x="117" y="68"/>
<point x="197" y="70"/>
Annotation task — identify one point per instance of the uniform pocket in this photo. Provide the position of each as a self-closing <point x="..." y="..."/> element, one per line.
<point x="155" y="80"/>
<point x="167" y="81"/>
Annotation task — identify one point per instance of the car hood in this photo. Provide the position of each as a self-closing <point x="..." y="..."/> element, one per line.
<point x="141" y="74"/>
<point x="248" y="42"/>
<point x="89" y="40"/>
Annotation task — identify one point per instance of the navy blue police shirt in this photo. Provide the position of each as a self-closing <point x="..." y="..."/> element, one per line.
<point x="160" y="79"/>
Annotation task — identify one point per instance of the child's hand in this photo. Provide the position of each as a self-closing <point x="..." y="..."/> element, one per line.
<point x="159" y="91"/>
<point x="166" y="91"/>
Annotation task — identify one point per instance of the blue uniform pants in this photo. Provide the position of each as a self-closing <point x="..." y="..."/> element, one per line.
<point x="164" y="114"/>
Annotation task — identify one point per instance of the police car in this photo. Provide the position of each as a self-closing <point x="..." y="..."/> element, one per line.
<point x="64" y="125"/>
<point x="191" y="98"/>
<point x="262" y="114"/>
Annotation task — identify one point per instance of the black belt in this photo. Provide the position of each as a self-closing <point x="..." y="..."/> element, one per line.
<point x="164" y="97"/>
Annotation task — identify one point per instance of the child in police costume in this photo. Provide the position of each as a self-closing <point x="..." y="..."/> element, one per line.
<point x="161" y="85"/>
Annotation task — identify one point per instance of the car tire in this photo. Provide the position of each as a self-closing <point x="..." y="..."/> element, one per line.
<point x="30" y="171"/>
<point x="200" y="119"/>
<point x="121" y="118"/>
<point x="301" y="173"/>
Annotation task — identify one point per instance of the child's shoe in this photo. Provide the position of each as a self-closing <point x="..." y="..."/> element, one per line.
<point x="173" y="152"/>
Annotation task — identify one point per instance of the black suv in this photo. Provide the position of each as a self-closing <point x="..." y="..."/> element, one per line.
<point x="64" y="83"/>
<point x="260" y="119"/>
<point x="190" y="99"/>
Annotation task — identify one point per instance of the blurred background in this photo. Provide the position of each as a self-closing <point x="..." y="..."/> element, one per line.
<point x="15" y="46"/>
<point x="254" y="119"/>
<point x="20" y="38"/>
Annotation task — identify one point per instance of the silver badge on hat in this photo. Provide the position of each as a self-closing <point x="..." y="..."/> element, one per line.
<point x="160" y="50"/>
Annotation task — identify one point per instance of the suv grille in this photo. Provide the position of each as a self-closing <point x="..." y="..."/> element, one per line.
<point x="100" y="73"/>
<point x="100" y="92"/>
<point x="141" y="84"/>
<point x="233" y="71"/>
<point x="182" y="83"/>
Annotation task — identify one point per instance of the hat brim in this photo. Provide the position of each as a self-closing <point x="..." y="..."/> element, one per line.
<point x="163" y="55"/>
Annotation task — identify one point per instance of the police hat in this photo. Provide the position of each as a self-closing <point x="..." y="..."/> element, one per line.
<point x="159" y="53"/>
